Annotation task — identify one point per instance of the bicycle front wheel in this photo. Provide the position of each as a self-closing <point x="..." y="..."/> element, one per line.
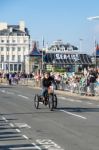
<point x="36" y="101"/>
<point x="51" y="102"/>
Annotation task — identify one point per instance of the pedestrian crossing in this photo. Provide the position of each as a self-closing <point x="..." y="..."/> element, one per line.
<point x="11" y="138"/>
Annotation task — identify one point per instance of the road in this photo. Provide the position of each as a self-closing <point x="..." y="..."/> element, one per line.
<point x="74" y="125"/>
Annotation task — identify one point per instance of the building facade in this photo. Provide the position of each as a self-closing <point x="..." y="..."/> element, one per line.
<point x="14" y="46"/>
<point x="66" y="56"/>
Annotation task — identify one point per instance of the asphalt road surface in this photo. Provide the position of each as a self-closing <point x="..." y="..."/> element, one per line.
<point x="74" y="125"/>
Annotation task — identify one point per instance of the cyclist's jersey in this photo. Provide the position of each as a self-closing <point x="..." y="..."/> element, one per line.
<point x="47" y="82"/>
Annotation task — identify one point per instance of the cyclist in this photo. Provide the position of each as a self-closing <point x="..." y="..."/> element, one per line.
<point x="46" y="83"/>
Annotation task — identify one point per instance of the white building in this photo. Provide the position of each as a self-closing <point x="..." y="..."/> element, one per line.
<point x="14" y="46"/>
<point x="59" y="47"/>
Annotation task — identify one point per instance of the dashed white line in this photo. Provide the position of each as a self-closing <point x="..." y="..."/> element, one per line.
<point x="11" y="124"/>
<point x="23" y="96"/>
<point x="36" y="146"/>
<point x="10" y="93"/>
<point x="24" y="148"/>
<point x="89" y="103"/>
<point x="79" y="116"/>
<point x="4" y="119"/>
<point x="25" y="137"/>
<point x="3" y="91"/>
<point x="18" y="130"/>
<point x="69" y="99"/>
<point x="79" y="101"/>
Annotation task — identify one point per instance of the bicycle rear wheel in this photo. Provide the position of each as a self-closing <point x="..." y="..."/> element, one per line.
<point x="55" y="101"/>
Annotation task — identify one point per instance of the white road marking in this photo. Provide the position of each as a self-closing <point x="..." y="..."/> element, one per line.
<point x="3" y="91"/>
<point x="79" y="116"/>
<point x="23" y="96"/>
<point x="4" y="119"/>
<point x="25" y="137"/>
<point x="89" y="103"/>
<point x="48" y="144"/>
<point x="36" y="146"/>
<point x="27" y="148"/>
<point x="18" y="130"/>
<point x="79" y="101"/>
<point x="22" y="125"/>
<point x="11" y="124"/>
<point x="10" y="93"/>
<point x="69" y="99"/>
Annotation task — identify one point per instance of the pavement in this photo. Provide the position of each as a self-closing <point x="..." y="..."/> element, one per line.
<point x="59" y="92"/>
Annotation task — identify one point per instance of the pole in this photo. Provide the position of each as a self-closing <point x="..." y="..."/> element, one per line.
<point x="8" y="52"/>
<point x="42" y="52"/>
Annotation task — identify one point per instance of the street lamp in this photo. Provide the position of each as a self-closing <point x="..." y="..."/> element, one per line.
<point x="80" y="44"/>
<point x="42" y="52"/>
<point x="91" y="19"/>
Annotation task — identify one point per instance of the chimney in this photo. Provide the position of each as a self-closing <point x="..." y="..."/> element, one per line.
<point x="22" y="26"/>
<point x="3" y="25"/>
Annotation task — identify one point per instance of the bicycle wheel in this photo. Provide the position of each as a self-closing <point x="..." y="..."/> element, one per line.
<point x="55" y="101"/>
<point x="36" y="101"/>
<point x="51" y="102"/>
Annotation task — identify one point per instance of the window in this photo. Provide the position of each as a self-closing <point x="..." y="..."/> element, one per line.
<point x="7" y="57"/>
<point x="19" y="58"/>
<point x="2" y="48"/>
<point x="15" y="67"/>
<point x="13" y="48"/>
<point x="13" y="57"/>
<point x="7" y="41"/>
<point x="19" y="48"/>
<point x="0" y="66"/>
<point x="24" y="48"/>
<point x="7" y="48"/>
<point x="13" y="41"/>
<point x="2" y="41"/>
<point x="2" y="58"/>
<point x="25" y="41"/>
<point x="11" y="67"/>
<point x="19" y="67"/>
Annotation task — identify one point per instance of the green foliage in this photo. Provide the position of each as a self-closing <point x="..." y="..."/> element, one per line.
<point x="59" y="70"/>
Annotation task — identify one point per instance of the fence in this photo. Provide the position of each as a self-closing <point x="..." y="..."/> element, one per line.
<point x="92" y="89"/>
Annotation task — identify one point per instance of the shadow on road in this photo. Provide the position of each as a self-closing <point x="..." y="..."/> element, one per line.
<point x="78" y="109"/>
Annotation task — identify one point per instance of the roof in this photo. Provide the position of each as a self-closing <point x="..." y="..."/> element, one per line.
<point x="67" y="58"/>
<point x="35" y="52"/>
<point x="15" y="30"/>
<point x="66" y="46"/>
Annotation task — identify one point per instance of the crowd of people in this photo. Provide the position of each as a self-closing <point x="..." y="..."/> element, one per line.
<point x="87" y="80"/>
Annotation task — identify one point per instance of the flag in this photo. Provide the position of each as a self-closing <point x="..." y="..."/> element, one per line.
<point x="97" y="50"/>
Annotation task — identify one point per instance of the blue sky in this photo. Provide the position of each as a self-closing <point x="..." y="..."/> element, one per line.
<point x="55" y="19"/>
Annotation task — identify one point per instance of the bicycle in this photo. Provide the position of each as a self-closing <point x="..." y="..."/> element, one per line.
<point x="50" y="99"/>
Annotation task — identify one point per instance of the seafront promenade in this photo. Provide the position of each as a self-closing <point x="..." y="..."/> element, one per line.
<point x="31" y="83"/>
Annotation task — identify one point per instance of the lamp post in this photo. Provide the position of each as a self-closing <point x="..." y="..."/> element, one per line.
<point x="53" y="66"/>
<point x="92" y="19"/>
<point x="80" y="44"/>
<point x="42" y="52"/>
